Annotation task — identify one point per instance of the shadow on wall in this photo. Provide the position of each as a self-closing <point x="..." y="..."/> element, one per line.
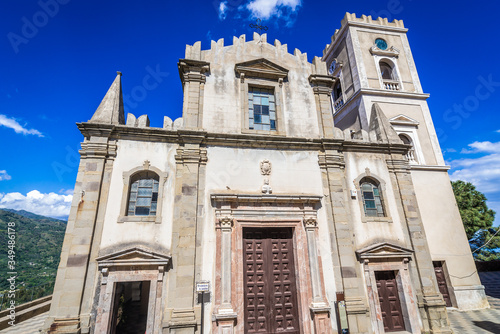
<point x="488" y="326"/>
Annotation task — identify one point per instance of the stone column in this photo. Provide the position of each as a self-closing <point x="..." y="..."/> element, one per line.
<point x="345" y="263"/>
<point x="192" y="73"/>
<point x="75" y="281"/>
<point x="319" y="307"/>
<point x="182" y="312"/>
<point x="322" y="87"/>
<point x="225" y="316"/>
<point x="431" y="303"/>
<point x="226" y="227"/>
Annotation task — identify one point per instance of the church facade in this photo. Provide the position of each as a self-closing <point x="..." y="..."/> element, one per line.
<point x="300" y="197"/>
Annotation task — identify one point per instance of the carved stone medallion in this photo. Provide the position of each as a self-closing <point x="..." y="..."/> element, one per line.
<point x="265" y="167"/>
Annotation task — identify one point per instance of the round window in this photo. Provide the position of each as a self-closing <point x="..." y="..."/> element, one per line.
<point x="381" y="44"/>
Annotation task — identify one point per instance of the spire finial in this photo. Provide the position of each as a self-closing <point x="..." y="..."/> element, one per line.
<point x="110" y="111"/>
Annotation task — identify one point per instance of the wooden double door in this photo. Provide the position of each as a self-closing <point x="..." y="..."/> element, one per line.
<point x="390" y="303"/>
<point x="270" y="286"/>
<point x="441" y="281"/>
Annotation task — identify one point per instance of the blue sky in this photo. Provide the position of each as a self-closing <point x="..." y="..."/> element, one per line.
<point x="59" y="57"/>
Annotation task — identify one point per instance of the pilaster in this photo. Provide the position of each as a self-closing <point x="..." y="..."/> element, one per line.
<point x="75" y="282"/>
<point x="430" y="301"/>
<point x="345" y="263"/>
<point x="225" y="315"/>
<point x="322" y="87"/>
<point x="319" y="307"/>
<point x="192" y="73"/>
<point x="182" y="314"/>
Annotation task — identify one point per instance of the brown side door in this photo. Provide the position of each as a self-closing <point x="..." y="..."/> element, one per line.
<point x="441" y="280"/>
<point x="390" y="304"/>
<point x="270" y="288"/>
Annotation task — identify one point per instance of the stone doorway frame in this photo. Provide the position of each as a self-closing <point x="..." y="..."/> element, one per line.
<point x="390" y="257"/>
<point x="131" y="265"/>
<point x="233" y="213"/>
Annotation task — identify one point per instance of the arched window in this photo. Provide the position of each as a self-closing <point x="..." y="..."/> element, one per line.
<point x="338" y="100"/>
<point x="337" y="90"/>
<point x="372" y="198"/>
<point x="143" y="194"/>
<point x="405" y="139"/>
<point x="410" y="156"/>
<point x="387" y="71"/>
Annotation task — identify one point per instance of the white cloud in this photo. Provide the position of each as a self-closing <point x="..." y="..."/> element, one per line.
<point x="4" y="176"/>
<point x="223" y="10"/>
<point x="264" y="9"/>
<point x="18" y="128"/>
<point x="484" y="171"/>
<point x="50" y="205"/>
<point x="66" y="191"/>
<point x="482" y="147"/>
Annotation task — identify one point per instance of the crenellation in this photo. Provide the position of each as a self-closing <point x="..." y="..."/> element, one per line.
<point x="240" y="46"/>
<point x="178" y="124"/>
<point x="263" y="38"/>
<point x="193" y="51"/>
<point x="319" y="66"/>
<point x="139" y="122"/>
<point x="351" y="18"/>
<point x="131" y="120"/>
<point x="143" y="121"/>
<point x="167" y="123"/>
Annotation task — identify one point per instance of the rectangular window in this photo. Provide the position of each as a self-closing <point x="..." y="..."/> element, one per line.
<point x="261" y="109"/>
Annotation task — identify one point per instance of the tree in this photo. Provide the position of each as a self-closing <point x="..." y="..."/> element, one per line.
<point x="484" y="239"/>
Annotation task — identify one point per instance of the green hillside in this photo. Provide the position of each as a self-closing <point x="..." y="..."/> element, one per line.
<point x="37" y="248"/>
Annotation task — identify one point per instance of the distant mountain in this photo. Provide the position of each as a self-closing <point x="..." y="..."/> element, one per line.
<point x="32" y="215"/>
<point x="37" y="248"/>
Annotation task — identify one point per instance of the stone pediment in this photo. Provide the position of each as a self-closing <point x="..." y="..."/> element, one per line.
<point x="383" y="251"/>
<point x="403" y="120"/>
<point x="261" y="68"/>
<point x="135" y="256"/>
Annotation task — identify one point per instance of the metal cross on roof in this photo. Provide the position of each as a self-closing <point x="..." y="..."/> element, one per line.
<point x="258" y="25"/>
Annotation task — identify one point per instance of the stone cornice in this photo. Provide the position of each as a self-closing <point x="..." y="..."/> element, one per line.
<point x="98" y="150"/>
<point x="282" y="198"/>
<point x="398" y="166"/>
<point x="432" y="168"/>
<point x="331" y="160"/>
<point x="192" y="70"/>
<point x="192" y="155"/>
<point x="242" y="140"/>
<point x="393" y="93"/>
<point x="322" y="84"/>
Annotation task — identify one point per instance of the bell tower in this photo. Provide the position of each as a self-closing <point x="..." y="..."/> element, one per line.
<point x="372" y="63"/>
<point x="373" y="68"/>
